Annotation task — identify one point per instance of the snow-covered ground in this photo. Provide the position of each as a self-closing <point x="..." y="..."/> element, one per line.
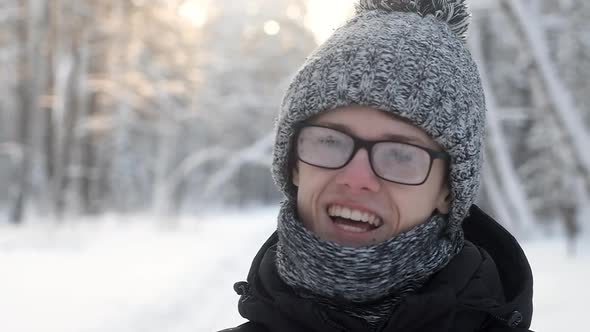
<point x="142" y="276"/>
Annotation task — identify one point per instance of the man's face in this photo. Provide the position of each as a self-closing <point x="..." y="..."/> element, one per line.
<point x="324" y="194"/>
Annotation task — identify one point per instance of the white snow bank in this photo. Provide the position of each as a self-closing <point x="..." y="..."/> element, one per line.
<point x="138" y="276"/>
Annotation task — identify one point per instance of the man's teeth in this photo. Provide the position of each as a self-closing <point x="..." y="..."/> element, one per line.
<point x="348" y="213"/>
<point x="352" y="228"/>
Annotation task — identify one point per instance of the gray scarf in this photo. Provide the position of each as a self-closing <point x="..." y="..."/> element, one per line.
<point x="365" y="282"/>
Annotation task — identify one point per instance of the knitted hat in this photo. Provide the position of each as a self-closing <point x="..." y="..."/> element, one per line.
<point x="407" y="58"/>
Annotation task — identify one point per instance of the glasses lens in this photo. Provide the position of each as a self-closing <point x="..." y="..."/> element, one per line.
<point x="401" y="162"/>
<point x="324" y="147"/>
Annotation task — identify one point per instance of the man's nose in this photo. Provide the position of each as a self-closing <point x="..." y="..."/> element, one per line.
<point x="358" y="174"/>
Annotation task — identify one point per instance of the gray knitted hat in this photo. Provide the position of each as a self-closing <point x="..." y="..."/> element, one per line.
<point x="405" y="57"/>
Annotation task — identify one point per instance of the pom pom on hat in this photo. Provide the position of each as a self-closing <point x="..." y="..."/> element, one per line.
<point x="453" y="12"/>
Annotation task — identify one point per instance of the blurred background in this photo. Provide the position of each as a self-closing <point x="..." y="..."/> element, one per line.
<point x="161" y="112"/>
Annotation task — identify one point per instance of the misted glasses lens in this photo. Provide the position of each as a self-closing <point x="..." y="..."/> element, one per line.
<point x="399" y="162"/>
<point x="392" y="161"/>
<point x="324" y="147"/>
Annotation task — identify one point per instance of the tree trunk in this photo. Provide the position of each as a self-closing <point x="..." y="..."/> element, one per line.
<point x="567" y="113"/>
<point x="29" y="32"/>
<point x="500" y="154"/>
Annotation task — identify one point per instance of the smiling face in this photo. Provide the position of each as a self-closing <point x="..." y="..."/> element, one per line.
<point x="330" y="200"/>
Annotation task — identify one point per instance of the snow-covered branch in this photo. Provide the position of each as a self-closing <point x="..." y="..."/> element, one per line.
<point x="257" y="153"/>
<point x="511" y="184"/>
<point x="562" y="100"/>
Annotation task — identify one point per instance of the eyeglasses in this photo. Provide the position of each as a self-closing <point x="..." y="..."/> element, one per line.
<point x="393" y="161"/>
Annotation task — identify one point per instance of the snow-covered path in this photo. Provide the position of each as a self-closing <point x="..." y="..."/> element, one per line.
<point x="131" y="276"/>
<point x="140" y="277"/>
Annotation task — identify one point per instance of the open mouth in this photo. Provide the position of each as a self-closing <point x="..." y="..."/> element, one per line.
<point x="353" y="220"/>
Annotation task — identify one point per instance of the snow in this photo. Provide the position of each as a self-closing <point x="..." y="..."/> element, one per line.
<point x="502" y="160"/>
<point x="137" y="274"/>
<point x="562" y="99"/>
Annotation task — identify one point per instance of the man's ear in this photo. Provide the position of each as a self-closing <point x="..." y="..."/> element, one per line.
<point x="295" y="175"/>
<point x="443" y="205"/>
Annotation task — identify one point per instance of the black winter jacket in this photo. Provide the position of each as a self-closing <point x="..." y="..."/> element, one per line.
<point x="488" y="286"/>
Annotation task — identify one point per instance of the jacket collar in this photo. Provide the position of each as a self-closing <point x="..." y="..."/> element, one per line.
<point x="512" y="264"/>
<point x="267" y="300"/>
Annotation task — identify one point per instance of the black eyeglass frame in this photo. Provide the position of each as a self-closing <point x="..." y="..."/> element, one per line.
<point x="368" y="146"/>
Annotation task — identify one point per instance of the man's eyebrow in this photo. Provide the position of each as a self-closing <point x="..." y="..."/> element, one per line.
<point x="386" y="137"/>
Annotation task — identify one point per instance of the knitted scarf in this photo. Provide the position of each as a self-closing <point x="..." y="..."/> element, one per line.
<point x="365" y="282"/>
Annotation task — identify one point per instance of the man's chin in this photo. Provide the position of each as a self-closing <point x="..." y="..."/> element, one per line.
<point x="352" y="237"/>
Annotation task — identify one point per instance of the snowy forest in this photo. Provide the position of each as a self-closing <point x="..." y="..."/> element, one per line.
<point x="136" y="140"/>
<point x="167" y="106"/>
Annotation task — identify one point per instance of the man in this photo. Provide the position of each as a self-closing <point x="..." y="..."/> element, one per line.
<point x="378" y="152"/>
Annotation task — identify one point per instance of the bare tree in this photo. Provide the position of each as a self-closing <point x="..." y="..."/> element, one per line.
<point x="30" y="68"/>
<point x="527" y="19"/>
<point x="501" y="159"/>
